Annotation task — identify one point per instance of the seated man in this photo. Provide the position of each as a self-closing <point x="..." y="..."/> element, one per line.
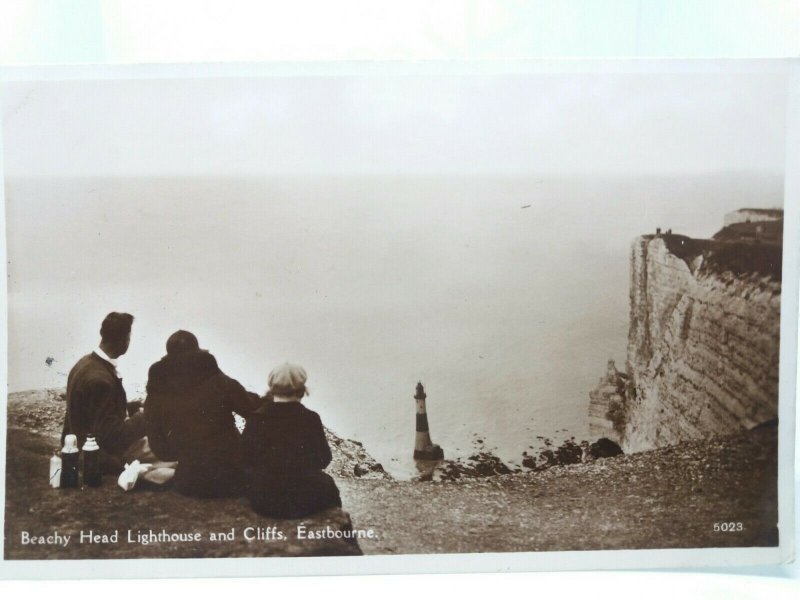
<point x="189" y="417"/>
<point x="97" y="404"/>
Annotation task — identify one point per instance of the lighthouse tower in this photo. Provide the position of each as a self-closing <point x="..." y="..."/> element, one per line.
<point x="424" y="448"/>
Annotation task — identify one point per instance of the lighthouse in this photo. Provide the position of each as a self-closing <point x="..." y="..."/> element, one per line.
<point x="424" y="448"/>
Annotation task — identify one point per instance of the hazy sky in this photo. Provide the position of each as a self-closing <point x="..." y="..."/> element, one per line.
<point x="701" y="121"/>
<point x="372" y="229"/>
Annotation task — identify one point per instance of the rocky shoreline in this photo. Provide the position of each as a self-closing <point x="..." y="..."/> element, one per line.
<point x="41" y="411"/>
<point x="665" y="498"/>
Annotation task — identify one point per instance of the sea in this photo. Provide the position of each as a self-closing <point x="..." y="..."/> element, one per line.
<point x="505" y="296"/>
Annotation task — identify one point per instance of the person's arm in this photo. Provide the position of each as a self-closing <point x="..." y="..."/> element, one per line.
<point x="156" y="436"/>
<point x="250" y="445"/>
<point x="236" y="399"/>
<point x="134" y="406"/>
<point x="112" y="431"/>
<point x="322" y="454"/>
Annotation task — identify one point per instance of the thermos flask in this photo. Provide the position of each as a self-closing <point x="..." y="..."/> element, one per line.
<point x="91" y="463"/>
<point x="69" y="462"/>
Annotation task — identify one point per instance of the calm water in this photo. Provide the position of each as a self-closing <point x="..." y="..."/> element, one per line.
<point x="505" y="297"/>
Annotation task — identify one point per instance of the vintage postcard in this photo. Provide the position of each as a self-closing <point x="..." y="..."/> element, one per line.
<point x="399" y="317"/>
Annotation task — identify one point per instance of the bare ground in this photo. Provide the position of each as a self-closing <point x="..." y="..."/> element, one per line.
<point x="668" y="498"/>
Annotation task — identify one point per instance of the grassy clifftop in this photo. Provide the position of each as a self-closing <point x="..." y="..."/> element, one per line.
<point x="740" y="249"/>
<point x="33" y="508"/>
<point x="667" y="498"/>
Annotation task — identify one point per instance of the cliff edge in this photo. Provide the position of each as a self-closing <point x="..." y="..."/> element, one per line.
<point x="34" y="426"/>
<point x="703" y="339"/>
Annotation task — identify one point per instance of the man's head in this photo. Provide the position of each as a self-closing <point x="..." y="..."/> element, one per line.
<point x="182" y="342"/>
<point x="115" y="333"/>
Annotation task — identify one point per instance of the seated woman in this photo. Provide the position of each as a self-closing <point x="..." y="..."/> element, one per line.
<point x="189" y="418"/>
<point x="285" y="449"/>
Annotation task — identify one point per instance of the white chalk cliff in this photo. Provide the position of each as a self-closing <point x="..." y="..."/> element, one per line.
<point x="703" y="342"/>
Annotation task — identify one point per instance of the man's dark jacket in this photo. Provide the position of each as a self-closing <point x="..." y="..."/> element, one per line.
<point x="97" y="405"/>
<point x="286" y="450"/>
<point x="189" y="417"/>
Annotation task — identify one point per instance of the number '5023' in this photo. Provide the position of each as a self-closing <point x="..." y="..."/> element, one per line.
<point x="729" y="526"/>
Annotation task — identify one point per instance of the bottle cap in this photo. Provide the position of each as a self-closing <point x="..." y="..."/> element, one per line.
<point x="90" y="444"/>
<point x="70" y="443"/>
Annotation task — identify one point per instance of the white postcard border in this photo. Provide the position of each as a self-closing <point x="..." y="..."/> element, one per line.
<point x="478" y="562"/>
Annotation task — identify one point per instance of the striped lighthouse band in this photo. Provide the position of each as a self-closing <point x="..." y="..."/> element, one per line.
<point x="422" y="422"/>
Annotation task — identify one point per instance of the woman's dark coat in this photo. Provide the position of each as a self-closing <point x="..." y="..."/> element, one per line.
<point x="286" y="449"/>
<point x="189" y="419"/>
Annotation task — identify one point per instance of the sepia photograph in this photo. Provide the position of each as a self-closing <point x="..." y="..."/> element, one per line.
<point x="397" y="312"/>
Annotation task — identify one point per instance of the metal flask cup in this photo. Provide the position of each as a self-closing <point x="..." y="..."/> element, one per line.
<point x="69" y="462"/>
<point x="55" y="470"/>
<point x="91" y="462"/>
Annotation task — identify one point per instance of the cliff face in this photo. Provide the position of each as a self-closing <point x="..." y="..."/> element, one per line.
<point x="607" y="405"/>
<point x="702" y="347"/>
